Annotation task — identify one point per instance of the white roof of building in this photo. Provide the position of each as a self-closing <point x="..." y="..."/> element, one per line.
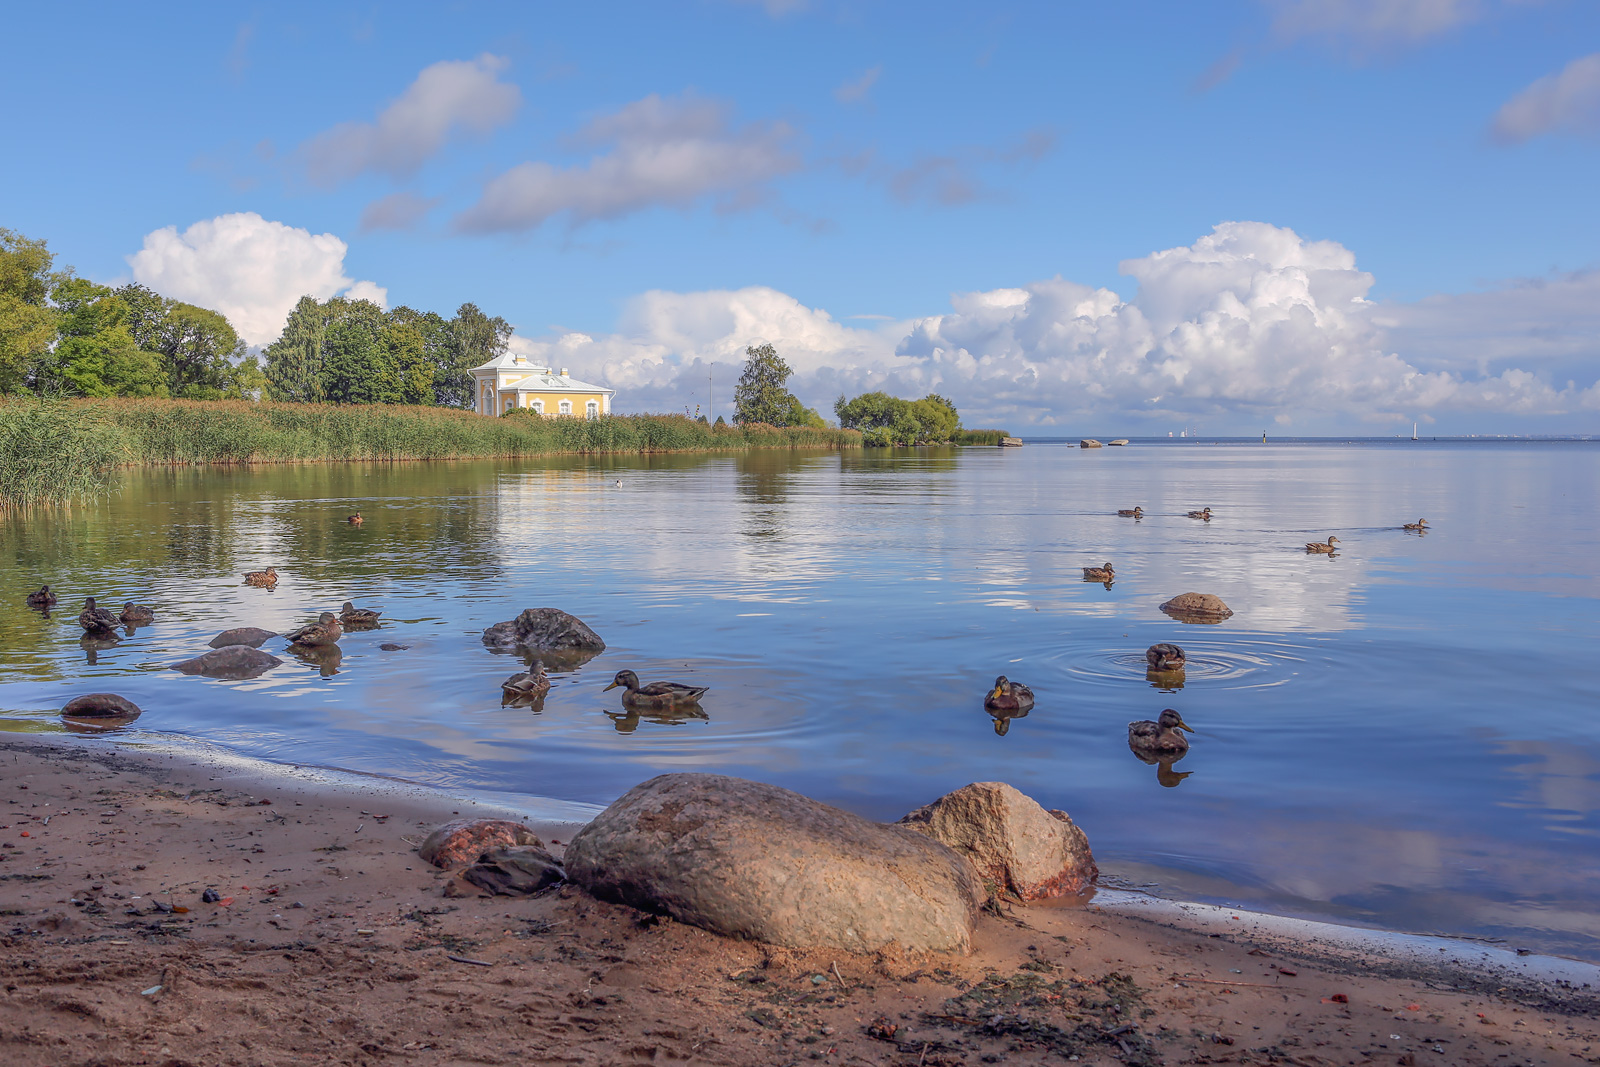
<point x="537" y="379"/>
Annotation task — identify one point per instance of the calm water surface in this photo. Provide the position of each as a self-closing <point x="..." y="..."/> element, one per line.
<point x="1404" y="734"/>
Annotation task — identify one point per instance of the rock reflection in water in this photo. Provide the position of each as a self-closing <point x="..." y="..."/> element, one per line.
<point x="627" y="722"/>
<point x="326" y="658"/>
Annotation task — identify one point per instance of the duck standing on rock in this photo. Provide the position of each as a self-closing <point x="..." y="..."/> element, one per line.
<point x="96" y="622"/>
<point x="1106" y="574"/>
<point x="267" y="579"/>
<point x="1135" y="512"/>
<point x="1165" y="657"/>
<point x="355" y="617"/>
<point x="325" y="631"/>
<point x="1324" y="547"/>
<point x="136" y="614"/>
<point x="655" y="695"/>
<point x="527" y="684"/>
<point x="1161" y="737"/>
<point x="1421" y="525"/>
<point x="1203" y="513"/>
<point x="44" y="598"/>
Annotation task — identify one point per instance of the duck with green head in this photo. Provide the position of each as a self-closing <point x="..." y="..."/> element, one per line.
<point x="1161" y="737"/>
<point x="656" y="695"/>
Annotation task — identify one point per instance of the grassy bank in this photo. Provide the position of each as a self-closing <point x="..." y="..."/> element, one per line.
<point x="55" y="452"/>
<point x="979" y="437"/>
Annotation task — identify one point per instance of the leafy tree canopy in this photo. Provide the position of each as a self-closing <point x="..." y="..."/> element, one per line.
<point x="889" y="420"/>
<point x="760" y="395"/>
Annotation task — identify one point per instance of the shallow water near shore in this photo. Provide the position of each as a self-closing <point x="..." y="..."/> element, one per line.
<point x="1402" y="735"/>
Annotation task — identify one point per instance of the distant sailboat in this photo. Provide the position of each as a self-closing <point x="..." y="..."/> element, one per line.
<point x="1413" y="431"/>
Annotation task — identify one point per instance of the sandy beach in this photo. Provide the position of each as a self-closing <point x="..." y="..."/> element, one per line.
<point x="333" y="942"/>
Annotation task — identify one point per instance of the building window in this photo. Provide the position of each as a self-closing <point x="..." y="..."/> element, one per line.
<point x="593" y="409"/>
<point x="566" y="407"/>
<point x="538" y="407"/>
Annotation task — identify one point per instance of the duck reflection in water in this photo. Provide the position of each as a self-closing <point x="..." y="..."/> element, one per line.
<point x="95" y="643"/>
<point x="326" y="658"/>
<point x="1002" y="720"/>
<point x="1168" y="777"/>
<point x="628" y="721"/>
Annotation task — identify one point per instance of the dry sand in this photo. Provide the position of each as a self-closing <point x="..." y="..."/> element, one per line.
<point x="334" y="943"/>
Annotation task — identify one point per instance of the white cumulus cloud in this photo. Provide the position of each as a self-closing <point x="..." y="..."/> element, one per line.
<point x="448" y="99"/>
<point x="250" y="269"/>
<point x="1250" y="322"/>
<point x="654" y="152"/>
<point x="1565" y="102"/>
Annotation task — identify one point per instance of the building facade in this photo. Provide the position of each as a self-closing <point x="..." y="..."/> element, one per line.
<point x="509" y="382"/>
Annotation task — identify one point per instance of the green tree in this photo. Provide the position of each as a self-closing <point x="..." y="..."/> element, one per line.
<point x="357" y="367"/>
<point x="474" y="339"/>
<point x="27" y="321"/>
<point x="887" y="420"/>
<point x="418" y="344"/>
<point x="246" y="381"/>
<point x="95" y="354"/>
<point x="294" y="360"/>
<point x="760" y="395"/>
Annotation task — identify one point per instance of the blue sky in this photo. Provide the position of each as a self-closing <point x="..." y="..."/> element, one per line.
<point x="645" y="188"/>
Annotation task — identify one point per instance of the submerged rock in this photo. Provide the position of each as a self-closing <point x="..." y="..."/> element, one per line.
<point x="750" y="860"/>
<point x="251" y="636"/>
<point x="521" y="870"/>
<point x="100" y="706"/>
<point x="544" y="630"/>
<point x="464" y="840"/>
<point x="1010" y="840"/>
<point x="390" y="646"/>
<point x="1197" y="607"/>
<point x="233" y="662"/>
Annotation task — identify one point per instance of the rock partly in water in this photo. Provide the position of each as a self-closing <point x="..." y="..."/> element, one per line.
<point x="233" y="662"/>
<point x="464" y="840"/>
<point x="750" y="860"/>
<point x="544" y="630"/>
<point x="250" y="636"/>
<point x="100" y="706"/>
<point x="1010" y="840"/>
<point x="1197" y="607"/>
<point x="390" y="646"/>
<point x="518" y="871"/>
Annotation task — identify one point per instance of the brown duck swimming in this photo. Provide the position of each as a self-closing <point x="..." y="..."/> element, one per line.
<point x="354" y="520"/>
<point x="325" y="631"/>
<point x="266" y="579"/>
<point x="96" y="621"/>
<point x="1160" y="737"/>
<point x="1325" y="547"/>
<point x="351" y="615"/>
<point x="1137" y="513"/>
<point x="527" y="684"/>
<point x="44" y="598"/>
<point x="1165" y="657"/>
<point x="1105" y="574"/>
<point x="1420" y="524"/>
<point x="136" y="614"/>
<point x="1008" y="696"/>
<point x="1203" y="513"/>
<point x="656" y="694"/>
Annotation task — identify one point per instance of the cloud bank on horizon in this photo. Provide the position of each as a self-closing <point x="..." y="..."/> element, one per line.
<point x="1249" y="324"/>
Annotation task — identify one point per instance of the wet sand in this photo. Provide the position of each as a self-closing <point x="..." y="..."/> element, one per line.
<point x="334" y="943"/>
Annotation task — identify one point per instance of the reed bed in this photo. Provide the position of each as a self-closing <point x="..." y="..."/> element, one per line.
<point x="56" y="452"/>
<point x="979" y="437"/>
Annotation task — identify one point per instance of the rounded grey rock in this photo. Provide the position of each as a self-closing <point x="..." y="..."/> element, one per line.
<point x="544" y="630"/>
<point x="250" y="636"/>
<point x="233" y="662"/>
<point x="100" y="706"/>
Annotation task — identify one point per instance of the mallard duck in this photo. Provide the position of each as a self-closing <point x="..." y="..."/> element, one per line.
<point x="1165" y="657"/>
<point x="136" y="614"/>
<point x="325" y="631"/>
<point x="656" y="694"/>
<point x="1008" y="696"/>
<point x="528" y="683"/>
<point x="1325" y="547"/>
<point x="354" y="520"/>
<point x="96" y="621"/>
<point x="42" y="599"/>
<point x="262" y="579"/>
<point x="1099" y="574"/>
<point x="351" y="615"/>
<point x="1420" y="524"/>
<point x="1161" y="736"/>
<point x="1203" y="513"/>
<point x="1137" y="513"/>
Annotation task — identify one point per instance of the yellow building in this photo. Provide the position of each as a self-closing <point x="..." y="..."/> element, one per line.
<point x="512" y="382"/>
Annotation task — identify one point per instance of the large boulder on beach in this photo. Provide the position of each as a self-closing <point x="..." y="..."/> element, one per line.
<point x="750" y="860"/>
<point x="1011" y="841"/>
<point x="233" y="662"/>
<point x="464" y="840"/>
<point x="1197" y="607"/>
<point x="544" y="630"/>
<point x="253" y="636"/>
<point x="100" y="706"/>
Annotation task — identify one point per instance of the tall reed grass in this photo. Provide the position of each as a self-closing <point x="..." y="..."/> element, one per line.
<point x="979" y="437"/>
<point x="59" y="451"/>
